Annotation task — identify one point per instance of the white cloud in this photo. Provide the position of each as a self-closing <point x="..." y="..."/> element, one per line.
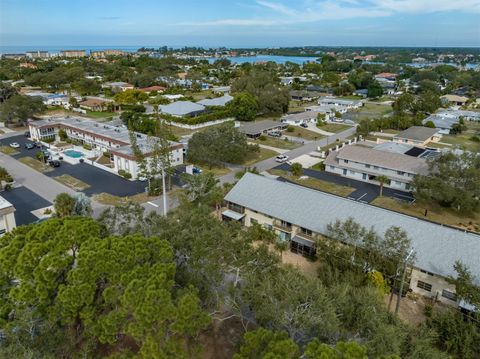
<point x="323" y="10"/>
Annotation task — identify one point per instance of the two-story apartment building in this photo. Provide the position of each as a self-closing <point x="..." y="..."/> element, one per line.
<point x="7" y="216"/>
<point x="301" y="215"/>
<point x="103" y="137"/>
<point x="367" y="164"/>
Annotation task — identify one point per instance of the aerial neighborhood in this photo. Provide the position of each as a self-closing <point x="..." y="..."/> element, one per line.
<point x="326" y="179"/>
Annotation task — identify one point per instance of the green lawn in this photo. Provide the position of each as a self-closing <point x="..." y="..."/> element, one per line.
<point x="8" y="150"/>
<point x="370" y="110"/>
<point x="111" y="200"/>
<point x="100" y="114"/>
<point x="277" y="143"/>
<point x="35" y="164"/>
<point x="304" y="133"/>
<point x="255" y="157"/>
<point x="333" y="127"/>
<point x="435" y="213"/>
<point x="464" y="140"/>
<point x="72" y="182"/>
<point x="315" y="183"/>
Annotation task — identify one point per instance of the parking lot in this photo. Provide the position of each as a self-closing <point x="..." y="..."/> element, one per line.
<point x="98" y="180"/>
<point x="364" y="192"/>
<point x="24" y="201"/>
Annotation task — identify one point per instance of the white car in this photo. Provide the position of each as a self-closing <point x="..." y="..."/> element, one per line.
<point x="15" y="145"/>
<point x="281" y="158"/>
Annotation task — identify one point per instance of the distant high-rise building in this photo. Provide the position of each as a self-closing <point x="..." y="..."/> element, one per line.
<point x="37" y="54"/>
<point x="73" y="53"/>
<point x="104" y="53"/>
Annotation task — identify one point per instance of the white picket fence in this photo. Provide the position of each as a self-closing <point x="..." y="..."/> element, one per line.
<point x="200" y="125"/>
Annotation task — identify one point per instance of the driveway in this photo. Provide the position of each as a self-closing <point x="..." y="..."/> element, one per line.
<point x="24" y="201"/>
<point x="364" y="192"/>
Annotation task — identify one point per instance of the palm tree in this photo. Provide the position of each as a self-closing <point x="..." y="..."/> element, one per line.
<point x="382" y="180"/>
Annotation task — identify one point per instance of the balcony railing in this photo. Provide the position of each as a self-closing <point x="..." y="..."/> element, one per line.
<point x="286" y="227"/>
<point x="311" y="237"/>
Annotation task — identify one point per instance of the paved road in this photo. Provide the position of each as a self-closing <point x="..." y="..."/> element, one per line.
<point x="307" y="148"/>
<point x="364" y="192"/>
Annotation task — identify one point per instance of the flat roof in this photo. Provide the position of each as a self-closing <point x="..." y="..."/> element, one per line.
<point x="182" y="108"/>
<point x="417" y="133"/>
<point x="437" y="247"/>
<point x="258" y="127"/>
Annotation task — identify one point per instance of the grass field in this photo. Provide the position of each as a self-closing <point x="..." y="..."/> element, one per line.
<point x="111" y="200"/>
<point x="435" y="213"/>
<point x="255" y="157"/>
<point x="315" y="183"/>
<point x="276" y="142"/>
<point x="464" y="140"/>
<point x="217" y="171"/>
<point x="8" y="150"/>
<point x="333" y="127"/>
<point x="72" y="182"/>
<point x="304" y="133"/>
<point x="370" y="110"/>
<point x="35" y="164"/>
<point x="100" y="115"/>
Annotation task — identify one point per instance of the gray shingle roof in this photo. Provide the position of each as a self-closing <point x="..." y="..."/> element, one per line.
<point x="259" y="127"/>
<point x="182" y="108"/>
<point x="417" y="133"/>
<point x="437" y="247"/>
<point x="219" y="101"/>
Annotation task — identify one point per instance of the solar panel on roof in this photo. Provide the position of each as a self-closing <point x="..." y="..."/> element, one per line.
<point x="415" y="152"/>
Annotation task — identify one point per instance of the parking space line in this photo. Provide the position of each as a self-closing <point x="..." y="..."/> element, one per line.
<point x="359" y="198"/>
<point x="153" y="204"/>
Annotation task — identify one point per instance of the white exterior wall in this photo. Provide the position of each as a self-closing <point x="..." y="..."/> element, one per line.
<point x="7" y="222"/>
<point x="357" y="172"/>
<point x="439" y="284"/>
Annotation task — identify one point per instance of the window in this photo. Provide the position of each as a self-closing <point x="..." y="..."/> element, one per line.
<point x="127" y="165"/>
<point x="285" y="224"/>
<point x="401" y="173"/>
<point x="253" y="221"/>
<point x="424" y="286"/>
<point x="306" y="231"/>
<point x="375" y="167"/>
<point x="426" y="272"/>
<point x="364" y="176"/>
<point x="345" y="161"/>
<point x="344" y="172"/>
<point x="352" y="172"/>
<point x="332" y="168"/>
<point x="449" y="295"/>
<point x="368" y="166"/>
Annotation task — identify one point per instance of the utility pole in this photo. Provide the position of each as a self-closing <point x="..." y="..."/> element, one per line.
<point x="165" y="209"/>
<point x="399" y="297"/>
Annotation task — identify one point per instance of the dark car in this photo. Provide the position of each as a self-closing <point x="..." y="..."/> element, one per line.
<point x="304" y="125"/>
<point x="29" y="146"/>
<point x="54" y="163"/>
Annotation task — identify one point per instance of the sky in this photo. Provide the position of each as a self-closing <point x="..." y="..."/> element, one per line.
<point x="240" y="23"/>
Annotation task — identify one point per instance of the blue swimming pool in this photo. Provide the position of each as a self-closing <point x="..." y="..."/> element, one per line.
<point x="73" y="153"/>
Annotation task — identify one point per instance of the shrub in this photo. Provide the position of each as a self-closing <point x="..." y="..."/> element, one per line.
<point x="87" y="146"/>
<point x="290" y="128"/>
<point x="262" y="138"/>
<point x="107" y="154"/>
<point x="49" y="140"/>
<point x="296" y="169"/>
<point x="428" y="310"/>
<point x="62" y="134"/>
<point x="8" y="187"/>
<point x="9" y="178"/>
<point x="430" y="124"/>
<point x="124" y="174"/>
<point x="475" y="138"/>
<point x="47" y="211"/>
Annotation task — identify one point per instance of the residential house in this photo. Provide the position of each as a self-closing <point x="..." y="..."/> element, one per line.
<point x="418" y="136"/>
<point x="305" y="95"/>
<point x="183" y="109"/>
<point x="103" y="137"/>
<point x="256" y="129"/>
<point x="216" y="102"/>
<point x="118" y="86"/>
<point x="445" y="119"/>
<point x="149" y="89"/>
<point x="300" y="216"/>
<point x="296" y="119"/>
<point x="7" y="216"/>
<point x="337" y="103"/>
<point x="98" y="104"/>
<point x="50" y="99"/>
<point x="454" y="100"/>
<point x="367" y="164"/>
<point x="73" y="53"/>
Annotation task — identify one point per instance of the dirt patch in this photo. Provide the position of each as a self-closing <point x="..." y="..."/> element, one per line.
<point x="412" y="308"/>
<point x="221" y="339"/>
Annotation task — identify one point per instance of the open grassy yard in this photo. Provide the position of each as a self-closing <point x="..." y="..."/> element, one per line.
<point x="261" y="155"/>
<point x="435" y="213"/>
<point x="315" y="183"/>
<point x="334" y="127"/>
<point x="464" y="140"/>
<point x="35" y="164"/>
<point x="370" y="110"/>
<point x="179" y="131"/>
<point x="101" y="115"/>
<point x="72" y="182"/>
<point x="304" y="133"/>
<point x="111" y="200"/>
<point x="299" y="106"/>
<point x="8" y="150"/>
<point x="276" y="142"/>
<point x="217" y="171"/>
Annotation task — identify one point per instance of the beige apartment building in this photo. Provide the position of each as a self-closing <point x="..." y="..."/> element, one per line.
<point x="7" y="216"/>
<point x="73" y="53"/>
<point x="300" y="216"/>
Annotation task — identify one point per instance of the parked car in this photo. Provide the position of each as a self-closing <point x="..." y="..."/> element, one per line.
<point x="38" y="144"/>
<point x="54" y="163"/>
<point x="274" y="133"/>
<point x="281" y="158"/>
<point x="14" y="145"/>
<point x="196" y="171"/>
<point x="304" y="125"/>
<point x="29" y="146"/>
